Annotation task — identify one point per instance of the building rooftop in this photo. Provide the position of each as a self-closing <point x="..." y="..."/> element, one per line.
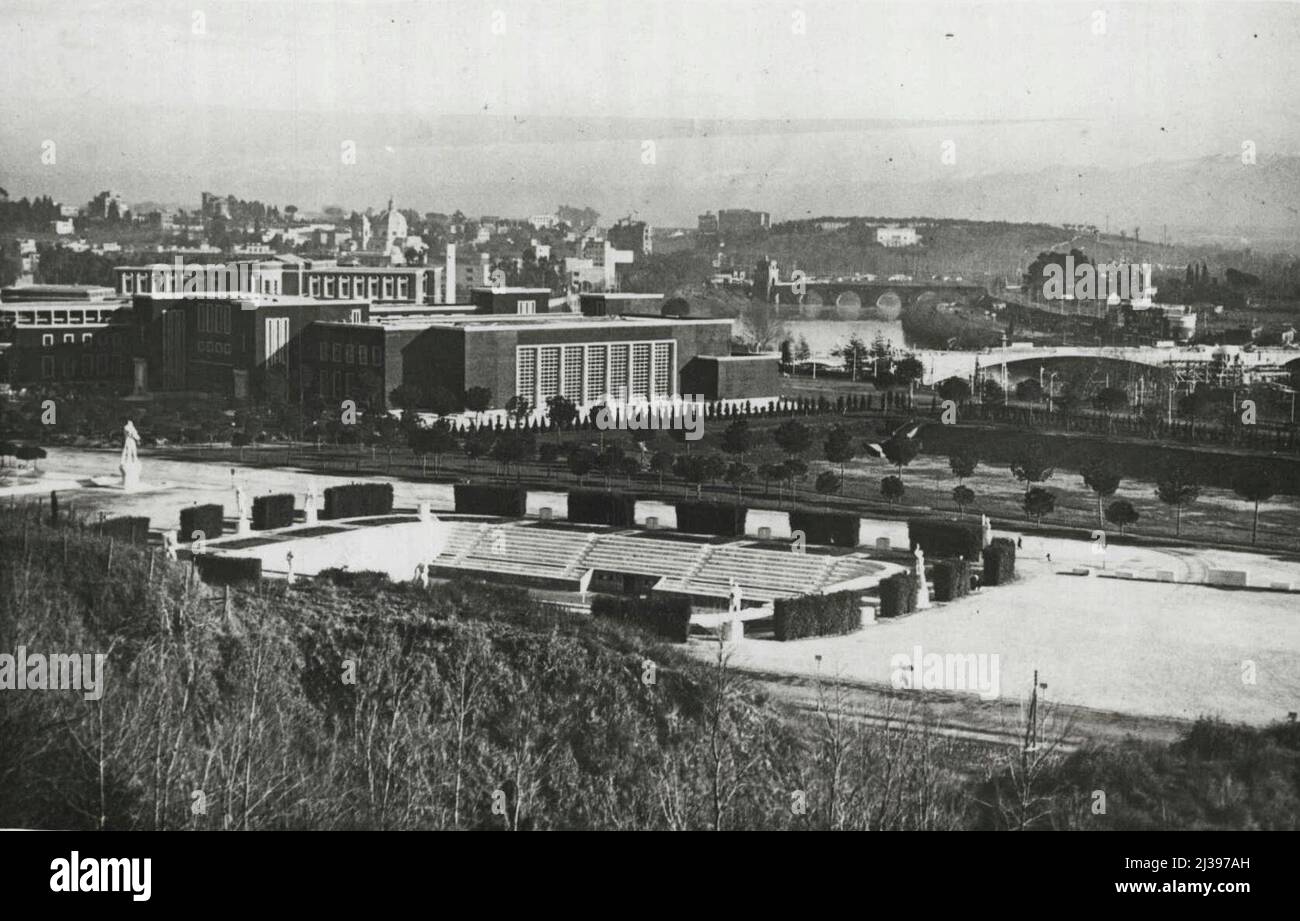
<point x="77" y="293"/>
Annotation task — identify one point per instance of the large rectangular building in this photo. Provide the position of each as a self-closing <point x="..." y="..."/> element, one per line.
<point x="64" y="334"/>
<point x="232" y="345"/>
<point x="586" y="359"/>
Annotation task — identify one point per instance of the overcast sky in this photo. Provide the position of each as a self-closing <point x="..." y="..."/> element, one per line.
<point x="1018" y="87"/>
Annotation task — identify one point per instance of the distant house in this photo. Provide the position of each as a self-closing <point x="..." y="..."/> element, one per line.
<point x="896" y="237"/>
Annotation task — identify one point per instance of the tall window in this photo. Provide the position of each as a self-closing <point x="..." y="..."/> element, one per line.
<point x="663" y="369"/>
<point x="596" y="362"/>
<point x="618" y="362"/>
<point x="640" y="386"/>
<point x="526" y="373"/>
<point x="277" y="337"/>
<point x="548" y="372"/>
<point x="356" y="315"/>
<point x="572" y="385"/>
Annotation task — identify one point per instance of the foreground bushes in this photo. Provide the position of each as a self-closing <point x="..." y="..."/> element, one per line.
<point x="491" y="499"/>
<point x="817" y="615"/>
<point x="365" y="579"/>
<point x="669" y="617"/>
<point x="205" y="518"/>
<point x="595" y="506"/>
<point x="711" y="518"/>
<point x="898" y="594"/>
<point x="358" y="500"/>
<point x="999" y="561"/>
<point x="839" y="529"/>
<point x="129" y="528"/>
<point x="946" y="538"/>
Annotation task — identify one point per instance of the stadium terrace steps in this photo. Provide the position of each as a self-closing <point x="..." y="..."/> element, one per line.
<point x="561" y="558"/>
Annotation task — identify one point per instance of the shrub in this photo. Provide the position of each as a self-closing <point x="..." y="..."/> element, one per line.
<point x="358" y="500"/>
<point x="999" y="563"/>
<point x="274" y="511"/>
<point x="817" y="615"/>
<point x="131" y="528"/>
<point x="839" y="529"/>
<point x="946" y="538"/>
<point x="666" y="617"/>
<point x="491" y="499"/>
<point x="898" y="594"/>
<point x="951" y="579"/>
<point x="595" y="506"/>
<point x="228" y="570"/>
<point x="1009" y="546"/>
<point x="709" y="518"/>
<point x="206" y="518"/>
<point x="367" y="579"/>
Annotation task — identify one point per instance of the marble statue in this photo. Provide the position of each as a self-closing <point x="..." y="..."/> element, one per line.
<point x="130" y="465"/>
<point x="922" y="587"/>
<point x="734" y="597"/>
<point x="130" y="442"/>
<point x="986" y="528"/>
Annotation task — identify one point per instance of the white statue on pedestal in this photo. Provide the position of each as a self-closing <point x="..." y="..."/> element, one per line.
<point x="130" y="465"/>
<point x="922" y="587"/>
<point x="169" y="545"/>
<point x="289" y="571"/>
<point x="422" y="574"/>
<point x="309" y="504"/>
<point x="241" y="506"/>
<point x="734" y="598"/>
<point x="986" y="528"/>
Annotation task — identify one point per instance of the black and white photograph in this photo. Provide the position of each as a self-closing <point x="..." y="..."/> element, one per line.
<point x="677" y="415"/>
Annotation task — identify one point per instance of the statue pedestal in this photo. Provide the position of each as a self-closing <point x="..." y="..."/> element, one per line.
<point x="130" y="475"/>
<point x="309" y="514"/>
<point x="426" y="512"/>
<point x="922" y="594"/>
<point x="244" y="527"/>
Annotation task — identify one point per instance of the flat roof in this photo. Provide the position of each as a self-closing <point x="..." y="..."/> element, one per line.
<point x="85" y="294"/>
<point x="250" y="301"/>
<point x="509" y="290"/>
<point x="567" y="321"/>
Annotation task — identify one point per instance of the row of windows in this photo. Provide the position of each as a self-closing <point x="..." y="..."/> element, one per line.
<point x="339" y="385"/>
<point x="214" y="318"/>
<point x="350" y="353"/>
<point x="386" y="287"/>
<point x="88" y="366"/>
<point x="589" y="373"/>
<point x="208" y="347"/>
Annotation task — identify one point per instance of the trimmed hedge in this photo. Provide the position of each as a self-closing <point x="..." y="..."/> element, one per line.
<point x="817" y="615"/>
<point x="711" y="518"/>
<point x="898" y="594"/>
<point x="946" y="538"/>
<point x="669" y="618"/>
<point x="206" y="518"/>
<point x="368" y="579"/>
<point x="274" y="511"/>
<point x="839" y="529"/>
<point x="131" y="528"/>
<point x="1010" y="545"/>
<point x="596" y="506"/>
<point x="228" y="570"/>
<point x="491" y="499"/>
<point x="951" y="579"/>
<point x="999" y="563"/>
<point x="358" y="500"/>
